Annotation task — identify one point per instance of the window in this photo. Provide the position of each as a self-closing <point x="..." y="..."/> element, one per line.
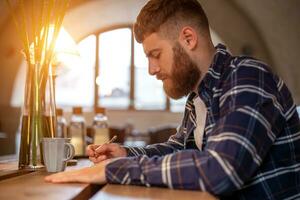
<point x="115" y="75"/>
<point x="116" y="78"/>
<point x="178" y="105"/>
<point x="74" y="83"/>
<point x="114" y="69"/>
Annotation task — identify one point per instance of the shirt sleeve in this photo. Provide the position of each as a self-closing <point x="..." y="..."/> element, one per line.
<point x="174" y="144"/>
<point x="251" y="117"/>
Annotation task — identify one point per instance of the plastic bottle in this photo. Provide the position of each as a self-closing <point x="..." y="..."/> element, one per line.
<point x="61" y="128"/>
<point x="100" y="126"/>
<point x="77" y="131"/>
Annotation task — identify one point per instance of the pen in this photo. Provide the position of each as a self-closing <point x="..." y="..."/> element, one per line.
<point x="108" y="142"/>
<point x="112" y="140"/>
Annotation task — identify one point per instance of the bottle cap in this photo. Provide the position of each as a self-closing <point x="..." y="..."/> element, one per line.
<point x="77" y="110"/>
<point x="59" y="112"/>
<point x="99" y="110"/>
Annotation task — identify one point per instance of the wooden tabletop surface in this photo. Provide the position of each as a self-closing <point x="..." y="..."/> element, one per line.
<point x="130" y="192"/>
<point x="31" y="185"/>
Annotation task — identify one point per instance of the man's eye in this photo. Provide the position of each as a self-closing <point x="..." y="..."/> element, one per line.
<point x="156" y="55"/>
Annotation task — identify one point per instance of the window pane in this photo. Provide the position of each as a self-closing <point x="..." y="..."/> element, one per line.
<point x="178" y="105"/>
<point x="149" y="92"/>
<point x="114" y="69"/>
<point x="74" y="83"/>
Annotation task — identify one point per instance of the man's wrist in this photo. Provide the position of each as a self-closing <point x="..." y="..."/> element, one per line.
<point x="124" y="151"/>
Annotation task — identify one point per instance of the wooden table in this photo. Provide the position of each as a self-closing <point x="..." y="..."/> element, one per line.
<point x="24" y="184"/>
<point x="129" y="192"/>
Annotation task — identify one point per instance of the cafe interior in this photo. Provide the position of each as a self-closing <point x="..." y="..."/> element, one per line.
<point x="98" y="81"/>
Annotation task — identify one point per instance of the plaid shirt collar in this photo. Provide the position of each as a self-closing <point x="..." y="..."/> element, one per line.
<point x="212" y="77"/>
<point x="207" y="87"/>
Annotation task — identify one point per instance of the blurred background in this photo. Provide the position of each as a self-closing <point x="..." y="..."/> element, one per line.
<point x="100" y="64"/>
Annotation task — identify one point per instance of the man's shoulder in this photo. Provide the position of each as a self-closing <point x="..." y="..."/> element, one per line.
<point x="247" y="70"/>
<point x="246" y="65"/>
<point x="249" y="63"/>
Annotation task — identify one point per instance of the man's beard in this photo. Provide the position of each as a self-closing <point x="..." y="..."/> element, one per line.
<point x="184" y="74"/>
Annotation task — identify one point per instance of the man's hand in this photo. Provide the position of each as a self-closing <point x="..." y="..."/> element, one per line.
<point x="98" y="153"/>
<point x="94" y="174"/>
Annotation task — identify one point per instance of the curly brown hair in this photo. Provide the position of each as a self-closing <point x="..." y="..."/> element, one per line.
<point x="167" y="17"/>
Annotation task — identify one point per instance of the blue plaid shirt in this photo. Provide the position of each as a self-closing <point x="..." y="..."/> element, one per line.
<point x="251" y="142"/>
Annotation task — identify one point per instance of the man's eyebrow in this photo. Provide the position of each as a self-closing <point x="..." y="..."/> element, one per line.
<point x="149" y="54"/>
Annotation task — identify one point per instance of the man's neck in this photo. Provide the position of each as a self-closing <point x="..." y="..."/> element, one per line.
<point x="204" y="60"/>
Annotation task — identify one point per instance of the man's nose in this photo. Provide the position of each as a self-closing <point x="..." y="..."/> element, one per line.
<point x="153" y="68"/>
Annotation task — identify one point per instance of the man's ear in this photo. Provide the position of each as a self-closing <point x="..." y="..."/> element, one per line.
<point x="188" y="37"/>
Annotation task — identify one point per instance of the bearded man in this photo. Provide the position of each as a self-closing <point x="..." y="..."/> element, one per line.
<point x="239" y="137"/>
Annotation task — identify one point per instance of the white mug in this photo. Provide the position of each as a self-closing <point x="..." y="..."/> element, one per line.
<point x="56" y="153"/>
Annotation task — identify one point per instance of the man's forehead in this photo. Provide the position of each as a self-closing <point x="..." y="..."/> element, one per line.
<point x="152" y="42"/>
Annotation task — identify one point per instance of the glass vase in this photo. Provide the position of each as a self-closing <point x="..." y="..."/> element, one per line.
<point x="38" y="115"/>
